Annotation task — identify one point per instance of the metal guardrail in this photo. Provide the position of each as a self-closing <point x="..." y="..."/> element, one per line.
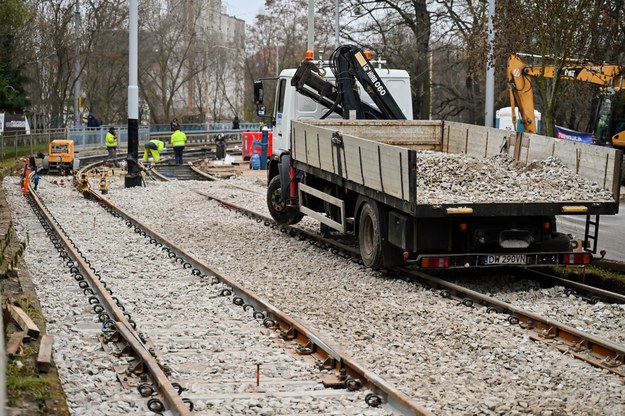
<point x="216" y="126"/>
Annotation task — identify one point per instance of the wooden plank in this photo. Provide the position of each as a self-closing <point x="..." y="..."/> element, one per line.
<point x="14" y="343"/>
<point x="44" y="358"/>
<point x="24" y="321"/>
<point x="478" y="141"/>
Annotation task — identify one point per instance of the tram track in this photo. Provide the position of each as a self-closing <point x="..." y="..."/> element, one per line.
<point x="350" y="375"/>
<point x="593" y="349"/>
<point x="394" y="322"/>
<point x="585" y="346"/>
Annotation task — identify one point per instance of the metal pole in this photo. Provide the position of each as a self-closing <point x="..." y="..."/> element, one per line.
<point x="277" y="60"/>
<point x="490" y="70"/>
<point x="336" y="23"/>
<point x="77" y="65"/>
<point x="311" y="25"/>
<point x="133" y="177"/>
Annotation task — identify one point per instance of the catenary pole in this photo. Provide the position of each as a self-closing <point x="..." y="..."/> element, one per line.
<point x="311" y="25"/>
<point x="77" y="65"/>
<point x="336" y="24"/>
<point x="133" y="177"/>
<point x="490" y="69"/>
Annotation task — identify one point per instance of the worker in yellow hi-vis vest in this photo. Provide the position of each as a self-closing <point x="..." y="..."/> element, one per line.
<point x="152" y="153"/>
<point x="178" y="140"/>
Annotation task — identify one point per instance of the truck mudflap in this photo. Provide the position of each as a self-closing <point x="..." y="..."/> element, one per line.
<point x="445" y="261"/>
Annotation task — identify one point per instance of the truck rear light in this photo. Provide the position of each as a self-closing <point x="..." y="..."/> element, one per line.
<point x="462" y="227"/>
<point x="547" y="225"/>
<point x="576" y="258"/>
<point x="434" y="262"/>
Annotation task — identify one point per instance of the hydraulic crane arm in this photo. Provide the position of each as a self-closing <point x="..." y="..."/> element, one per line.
<point x="349" y="64"/>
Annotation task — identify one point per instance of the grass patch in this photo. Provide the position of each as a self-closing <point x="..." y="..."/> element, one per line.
<point x="593" y="275"/>
<point x="23" y="379"/>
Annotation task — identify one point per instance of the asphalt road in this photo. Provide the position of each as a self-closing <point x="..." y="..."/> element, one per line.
<point x="611" y="231"/>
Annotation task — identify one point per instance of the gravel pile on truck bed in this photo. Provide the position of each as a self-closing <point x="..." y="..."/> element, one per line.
<point x="451" y="178"/>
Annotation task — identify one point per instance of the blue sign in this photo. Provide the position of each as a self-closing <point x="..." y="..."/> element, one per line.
<point x="574" y="136"/>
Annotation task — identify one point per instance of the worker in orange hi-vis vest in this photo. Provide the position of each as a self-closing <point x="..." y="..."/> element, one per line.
<point x="25" y="175"/>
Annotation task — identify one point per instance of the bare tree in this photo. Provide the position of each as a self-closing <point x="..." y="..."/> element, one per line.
<point x="400" y="30"/>
<point x="173" y="57"/>
<point x="48" y="46"/>
<point x="104" y="79"/>
<point x="558" y="31"/>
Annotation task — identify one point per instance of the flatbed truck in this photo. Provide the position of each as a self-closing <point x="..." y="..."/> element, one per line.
<point x="360" y="177"/>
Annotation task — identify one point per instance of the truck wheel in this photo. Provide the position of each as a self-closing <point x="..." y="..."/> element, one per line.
<point x="369" y="236"/>
<point x="277" y="208"/>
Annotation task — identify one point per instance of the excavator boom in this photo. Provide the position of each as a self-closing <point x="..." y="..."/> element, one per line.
<point x="610" y="78"/>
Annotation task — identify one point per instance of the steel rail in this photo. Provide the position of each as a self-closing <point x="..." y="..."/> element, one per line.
<point x="581" y="287"/>
<point x="166" y="391"/>
<point x="594" y="350"/>
<point x="337" y="247"/>
<point x="312" y="343"/>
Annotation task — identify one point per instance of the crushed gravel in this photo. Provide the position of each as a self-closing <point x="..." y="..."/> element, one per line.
<point x="452" y="359"/>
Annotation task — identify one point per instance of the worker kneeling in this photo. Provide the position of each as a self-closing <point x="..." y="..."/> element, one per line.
<point x="153" y="150"/>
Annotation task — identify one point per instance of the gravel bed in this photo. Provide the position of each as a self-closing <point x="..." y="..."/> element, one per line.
<point x="211" y="345"/>
<point x="451" y="359"/>
<point x="602" y="319"/>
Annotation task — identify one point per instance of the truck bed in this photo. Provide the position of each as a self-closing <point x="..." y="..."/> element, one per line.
<point x="434" y="168"/>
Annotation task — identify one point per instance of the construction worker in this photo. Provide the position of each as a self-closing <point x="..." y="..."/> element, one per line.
<point x="24" y="174"/>
<point x="111" y="144"/>
<point x="153" y="150"/>
<point x="178" y="140"/>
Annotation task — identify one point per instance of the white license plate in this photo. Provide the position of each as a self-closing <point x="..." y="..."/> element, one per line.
<point x="505" y="259"/>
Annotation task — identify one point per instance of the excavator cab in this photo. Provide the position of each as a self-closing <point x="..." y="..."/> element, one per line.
<point x="608" y="122"/>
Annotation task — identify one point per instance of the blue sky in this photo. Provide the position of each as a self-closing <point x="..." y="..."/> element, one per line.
<point x="244" y="9"/>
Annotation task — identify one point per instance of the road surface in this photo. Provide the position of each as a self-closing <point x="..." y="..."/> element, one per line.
<point x="611" y="231"/>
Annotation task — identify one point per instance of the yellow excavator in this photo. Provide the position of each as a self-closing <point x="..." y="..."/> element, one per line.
<point x="608" y="121"/>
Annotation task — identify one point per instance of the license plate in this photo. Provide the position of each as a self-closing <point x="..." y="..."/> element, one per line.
<point x="505" y="259"/>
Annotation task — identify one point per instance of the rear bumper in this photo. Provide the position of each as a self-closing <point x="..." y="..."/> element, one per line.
<point x="444" y="261"/>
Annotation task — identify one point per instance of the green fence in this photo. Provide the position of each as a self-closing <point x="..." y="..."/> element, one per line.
<point x="18" y="145"/>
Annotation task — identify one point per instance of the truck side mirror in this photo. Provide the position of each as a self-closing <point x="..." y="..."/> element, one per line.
<point x="260" y="110"/>
<point x="258" y="92"/>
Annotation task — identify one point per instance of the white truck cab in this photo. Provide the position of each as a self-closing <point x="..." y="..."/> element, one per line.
<point x="291" y="105"/>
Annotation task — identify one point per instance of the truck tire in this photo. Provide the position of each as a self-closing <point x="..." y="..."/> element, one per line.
<point x="277" y="208"/>
<point x="370" y="236"/>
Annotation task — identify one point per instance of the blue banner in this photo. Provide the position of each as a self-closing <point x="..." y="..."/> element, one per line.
<point x="574" y="136"/>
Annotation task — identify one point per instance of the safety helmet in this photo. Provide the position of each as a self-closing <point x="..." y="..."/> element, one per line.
<point x="174" y="124"/>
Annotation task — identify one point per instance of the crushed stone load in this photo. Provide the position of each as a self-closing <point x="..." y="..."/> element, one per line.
<point x="452" y="178"/>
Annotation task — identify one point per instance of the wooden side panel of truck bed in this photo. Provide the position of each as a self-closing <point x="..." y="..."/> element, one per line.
<point x="376" y="151"/>
<point x="373" y="164"/>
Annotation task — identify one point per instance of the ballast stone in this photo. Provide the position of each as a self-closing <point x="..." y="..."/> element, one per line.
<point x="452" y="178"/>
